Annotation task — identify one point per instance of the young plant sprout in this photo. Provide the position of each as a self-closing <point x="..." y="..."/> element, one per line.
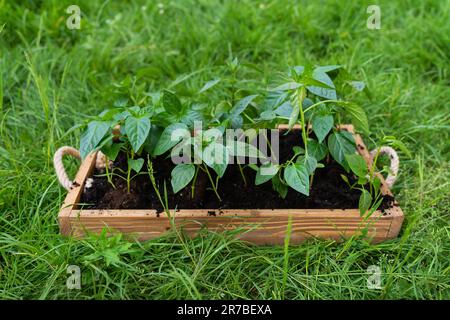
<point x="368" y="199"/>
<point x="309" y="98"/>
<point x="313" y="98"/>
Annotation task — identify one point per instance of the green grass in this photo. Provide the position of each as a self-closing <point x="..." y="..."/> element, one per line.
<point x="52" y="79"/>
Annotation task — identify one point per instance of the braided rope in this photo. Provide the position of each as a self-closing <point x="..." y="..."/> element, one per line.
<point x="395" y="163"/>
<point x="100" y="163"/>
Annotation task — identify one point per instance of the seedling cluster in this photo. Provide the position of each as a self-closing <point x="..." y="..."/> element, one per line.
<point x="314" y="98"/>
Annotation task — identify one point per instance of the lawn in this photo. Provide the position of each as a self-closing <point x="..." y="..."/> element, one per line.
<point x="52" y="79"/>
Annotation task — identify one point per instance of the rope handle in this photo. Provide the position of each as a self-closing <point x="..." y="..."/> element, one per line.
<point x="100" y="163"/>
<point x="395" y="162"/>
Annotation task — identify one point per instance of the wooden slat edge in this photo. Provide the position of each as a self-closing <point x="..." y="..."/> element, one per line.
<point x="397" y="216"/>
<point x="200" y="213"/>
<point x="284" y="126"/>
<point x="74" y="195"/>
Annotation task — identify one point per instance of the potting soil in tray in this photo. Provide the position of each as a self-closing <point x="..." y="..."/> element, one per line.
<point x="328" y="191"/>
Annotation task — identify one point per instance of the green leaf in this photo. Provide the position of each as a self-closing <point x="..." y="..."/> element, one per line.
<point x="309" y="162"/>
<point x="171" y="103"/>
<point x="94" y="134"/>
<point x="212" y="134"/>
<point x="376" y="183"/>
<point x="156" y="97"/>
<point x="137" y="130"/>
<point x="284" y="110"/>
<point x="357" y="164"/>
<point x="241" y="105"/>
<point x="152" y="139"/>
<point x="317" y="150"/>
<point x="267" y="115"/>
<point x="109" y="114"/>
<point x="112" y="150"/>
<point x="166" y="141"/>
<point x="237" y="122"/>
<point x="362" y="180"/>
<point x="328" y="68"/>
<point x="287" y="86"/>
<point x="341" y="143"/>
<point x="265" y="173"/>
<point x="344" y="177"/>
<point x="297" y="70"/>
<point x="110" y="253"/>
<point x="359" y="117"/>
<point x="190" y="116"/>
<point x="216" y="156"/>
<point x="181" y="175"/>
<point x="326" y="90"/>
<point x="209" y="85"/>
<point x="298" y="150"/>
<point x="135" y="110"/>
<point x="279" y="186"/>
<point x="323" y="92"/>
<point x="294" y="115"/>
<point x="297" y="177"/>
<point x="321" y="125"/>
<point x="273" y="100"/>
<point x="121" y="102"/>
<point x="243" y="149"/>
<point x="121" y="116"/>
<point x="136" y="164"/>
<point x="365" y="200"/>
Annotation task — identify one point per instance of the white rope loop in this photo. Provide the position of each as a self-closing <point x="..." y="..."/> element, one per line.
<point x="59" y="166"/>
<point x="100" y="163"/>
<point x="395" y="163"/>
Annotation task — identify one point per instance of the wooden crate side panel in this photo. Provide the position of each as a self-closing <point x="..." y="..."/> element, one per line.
<point x="74" y="195"/>
<point x="257" y="229"/>
<point x="397" y="216"/>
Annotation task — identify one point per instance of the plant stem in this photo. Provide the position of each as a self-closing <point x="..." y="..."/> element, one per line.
<point x="194" y="182"/>
<point x="372" y="169"/>
<point x="153" y="181"/>
<point x="250" y="119"/>
<point x="270" y="146"/>
<point x="217" y="182"/>
<point x="128" y="174"/>
<point x="212" y="182"/>
<point x="242" y="174"/>
<point x="322" y="102"/>
<point x="301" y="95"/>
<point x="166" y="201"/>
<point x="108" y="174"/>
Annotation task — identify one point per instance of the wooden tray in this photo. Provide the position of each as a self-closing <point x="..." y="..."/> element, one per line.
<point x="259" y="226"/>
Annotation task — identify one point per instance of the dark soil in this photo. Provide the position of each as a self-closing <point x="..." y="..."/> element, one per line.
<point x="328" y="190"/>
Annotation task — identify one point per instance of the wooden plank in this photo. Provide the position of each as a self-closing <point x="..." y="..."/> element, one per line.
<point x="74" y="195"/>
<point x="270" y="227"/>
<point x="397" y="217"/>
<point x="265" y="233"/>
<point x="192" y="213"/>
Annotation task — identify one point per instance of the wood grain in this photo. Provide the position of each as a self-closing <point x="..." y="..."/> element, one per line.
<point x="74" y="195"/>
